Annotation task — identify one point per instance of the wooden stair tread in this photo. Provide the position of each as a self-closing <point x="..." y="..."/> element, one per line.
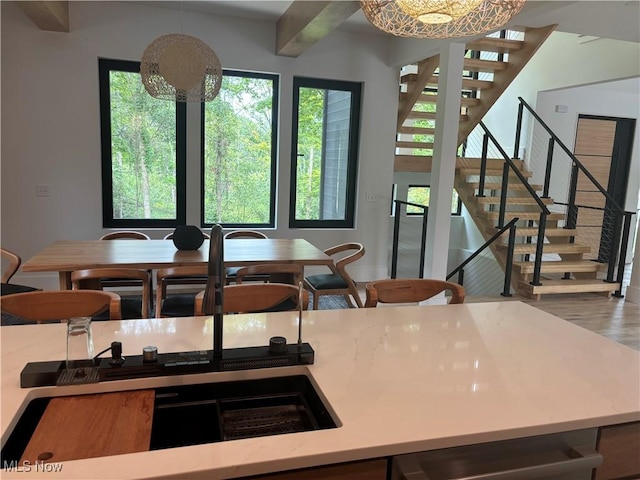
<point x="568" y="286"/>
<point x="498" y="186"/>
<point x="429" y="116"/>
<point x="492" y="163"/>
<point x="491" y="172"/>
<point x="496" y="45"/>
<point x="467" y="83"/>
<point x="417" y="130"/>
<point x="513" y="200"/>
<point x="522" y="215"/>
<point x="489" y="66"/>
<point x="433" y="98"/>
<point x="533" y="232"/>
<point x="404" y="144"/>
<point x="560" y="266"/>
<point x="522" y="248"/>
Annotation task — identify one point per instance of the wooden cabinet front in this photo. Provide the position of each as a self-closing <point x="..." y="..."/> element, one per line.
<point x="620" y="448"/>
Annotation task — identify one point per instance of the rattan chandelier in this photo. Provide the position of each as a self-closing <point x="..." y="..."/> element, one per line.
<point x="181" y="68"/>
<point x="439" y="18"/>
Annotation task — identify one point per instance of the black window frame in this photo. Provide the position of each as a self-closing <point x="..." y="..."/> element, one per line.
<point x="274" y="151"/>
<point x="354" y="145"/>
<point x="105" y="66"/>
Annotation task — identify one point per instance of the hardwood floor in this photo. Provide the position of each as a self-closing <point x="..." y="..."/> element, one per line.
<point x="610" y="317"/>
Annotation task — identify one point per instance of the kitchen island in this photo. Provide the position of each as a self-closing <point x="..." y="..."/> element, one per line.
<point x="396" y="380"/>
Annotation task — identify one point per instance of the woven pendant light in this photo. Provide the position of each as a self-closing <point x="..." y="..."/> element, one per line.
<point x="439" y="18"/>
<point x="181" y="68"/>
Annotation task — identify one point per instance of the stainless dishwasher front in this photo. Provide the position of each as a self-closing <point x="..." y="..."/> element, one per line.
<point x="563" y="456"/>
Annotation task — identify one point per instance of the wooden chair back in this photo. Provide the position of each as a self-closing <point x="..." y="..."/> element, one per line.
<point x="339" y="282"/>
<point x="182" y="275"/>
<point x="93" y="278"/>
<point x="414" y="290"/>
<point x="56" y="305"/>
<point x="244" y="234"/>
<point x="274" y="272"/>
<point x="258" y="297"/>
<point x="125" y="235"/>
<point x="13" y="264"/>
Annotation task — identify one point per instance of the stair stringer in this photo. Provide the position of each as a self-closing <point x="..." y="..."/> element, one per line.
<point x="533" y="39"/>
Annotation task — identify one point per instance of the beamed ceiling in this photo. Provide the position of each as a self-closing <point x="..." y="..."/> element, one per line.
<point x="301" y="23"/>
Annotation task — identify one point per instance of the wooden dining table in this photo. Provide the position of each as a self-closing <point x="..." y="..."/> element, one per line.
<point x="65" y="256"/>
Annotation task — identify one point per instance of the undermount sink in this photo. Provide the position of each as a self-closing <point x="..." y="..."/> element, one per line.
<point x="195" y="414"/>
<point x="214" y="412"/>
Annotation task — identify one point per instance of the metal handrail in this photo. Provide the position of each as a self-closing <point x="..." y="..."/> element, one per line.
<point x="569" y="153"/>
<point x="511" y="226"/>
<point x="515" y="169"/>
<point x="544" y="211"/>
<point x="396" y="235"/>
<point x="622" y="218"/>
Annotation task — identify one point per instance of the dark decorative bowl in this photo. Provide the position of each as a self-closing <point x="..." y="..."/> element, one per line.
<point x="187" y="237"/>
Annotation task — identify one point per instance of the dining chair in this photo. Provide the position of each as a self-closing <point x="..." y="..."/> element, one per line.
<point x="231" y="272"/>
<point x="60" y="305"/>
<point x="339" y="282"/>
<point x="125" y="235"/>
<point x="410" y="290"/>
<point x="179" y="304"/>
<point x="133" y="306"/>
<point x="271" y="272"/>
<point x="258" y="297"/>
<point x="13" y="261"/>
<point x="126" y="281"/>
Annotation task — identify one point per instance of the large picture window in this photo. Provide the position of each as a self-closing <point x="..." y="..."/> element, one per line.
<point x="239" y="141"/>
<point x="143" y="151"/>
<point x="326" y="123"/>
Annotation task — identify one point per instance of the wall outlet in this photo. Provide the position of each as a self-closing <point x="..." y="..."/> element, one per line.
<point x="370" y="197"/>
<point x="42" y="190"/>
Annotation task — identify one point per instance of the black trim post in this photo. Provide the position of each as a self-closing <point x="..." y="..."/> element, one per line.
<point x="396" y="234"/>
<point x="516" y="146"/>
<point x="547" y="173"/>
<point x="506" y="292"/>
<point x="423" y="242"/>
<point x="483" y="165"/>
<point x="503" y="194"/>
<point x="542" y="225"/>
<point x="623" y="252"/>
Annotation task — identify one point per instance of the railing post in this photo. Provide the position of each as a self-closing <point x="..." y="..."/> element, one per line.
<point x="516" y="147"/>
<point x="503" y="194"/>
<point x="542" y="225"/>
<point x="483" y="165"/>
<point x="615" y="245"/>
<point x="461" y="277"/>
<point x="572" y="211"/>
<point x="547" y="173"/>
<point x="623" y="253"/>
<point x="396" y="234"/>
<point x="423" y="242"/>
<point x="509" y="265"/>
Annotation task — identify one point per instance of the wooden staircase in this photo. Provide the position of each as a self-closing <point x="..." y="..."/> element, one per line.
<point x="563" y="269"/>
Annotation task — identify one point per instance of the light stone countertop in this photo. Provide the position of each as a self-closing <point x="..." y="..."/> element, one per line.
<point x="398" y="380"/>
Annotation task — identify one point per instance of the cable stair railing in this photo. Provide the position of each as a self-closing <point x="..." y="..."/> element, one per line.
<point x="615" y="226"/>
<point x="511" y="226"/>
<point x="509" y="172"/>
<point x="460" y="269"/>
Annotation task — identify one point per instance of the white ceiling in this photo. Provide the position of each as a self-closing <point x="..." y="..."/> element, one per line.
<point x="619" y="20"/>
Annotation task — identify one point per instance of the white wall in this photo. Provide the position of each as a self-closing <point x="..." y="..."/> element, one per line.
<point x="562" y="61"/>
<point x="51" y="131"/>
